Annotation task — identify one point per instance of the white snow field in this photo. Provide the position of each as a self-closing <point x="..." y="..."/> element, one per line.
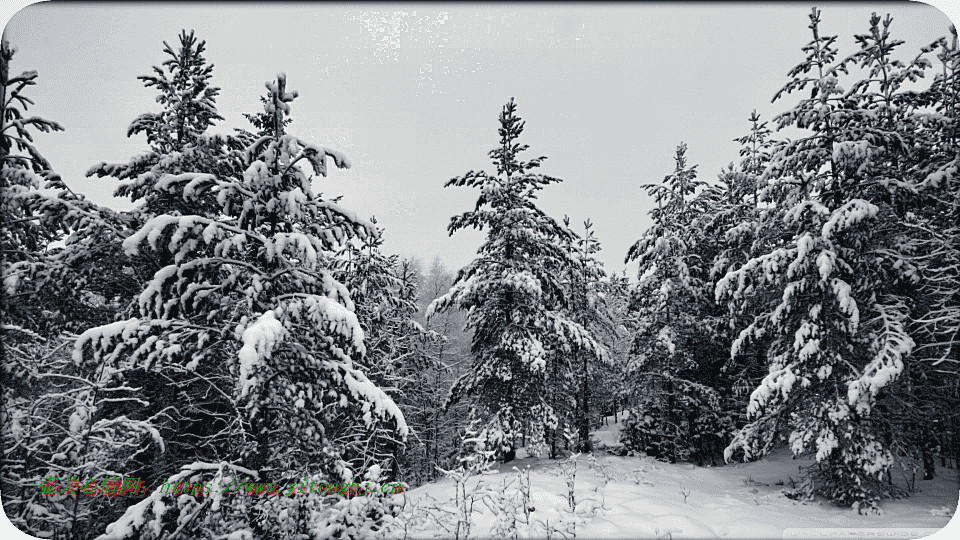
<point x="644" y="498"/>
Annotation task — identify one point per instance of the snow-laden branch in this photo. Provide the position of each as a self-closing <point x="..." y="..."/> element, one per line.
<point x="887" y="363"/>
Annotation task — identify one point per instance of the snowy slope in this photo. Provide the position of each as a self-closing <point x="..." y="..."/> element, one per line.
<point x="644" y="499"/>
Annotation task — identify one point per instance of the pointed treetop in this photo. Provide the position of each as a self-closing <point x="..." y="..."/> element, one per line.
<point x="188" y="100"/>
<point x="506" y="157"/>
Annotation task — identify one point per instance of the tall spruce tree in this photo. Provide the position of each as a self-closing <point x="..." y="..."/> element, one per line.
<point x="676" y="372"/>
<point x="194" y="416"/>
<point x="24" y="235"/>
<point x="937" y="235"/>
<point x="586" y="305"/>
<point x="513" y="297"/>
<point x="838" y="284"/>
<point x="248" y="307"/>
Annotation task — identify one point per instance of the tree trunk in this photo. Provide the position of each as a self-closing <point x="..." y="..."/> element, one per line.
<point x="585" y="410"/>
<point x="929" y="472"/>
<point x="927" y="447"/>
<point x="436" y="416"/>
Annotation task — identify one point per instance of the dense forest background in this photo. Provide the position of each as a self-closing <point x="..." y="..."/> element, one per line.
<point x="237" y="325"/>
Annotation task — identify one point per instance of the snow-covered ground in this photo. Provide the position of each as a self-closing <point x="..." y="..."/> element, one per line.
<point x="645" y="498"/>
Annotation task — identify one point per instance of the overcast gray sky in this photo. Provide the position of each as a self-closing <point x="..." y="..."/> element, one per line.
<point x="412" y="93"/>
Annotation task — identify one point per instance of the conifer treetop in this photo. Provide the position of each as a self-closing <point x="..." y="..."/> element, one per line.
<point x="14" y="122"/>
<point x="188" y="99"/>
<point x="507" y="199"/>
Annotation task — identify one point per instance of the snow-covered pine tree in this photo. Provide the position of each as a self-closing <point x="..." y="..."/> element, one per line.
<point x="262" y="121"/>
<point x="23" y="236"/>
<point x="54" y="430"/>
<point x="194" y="416"/>
<point x="734" y="208"/>
<point x="933" y="229"/>
<point x="177" y="144"/>
<point x="616" y="388"/>
<point x="677" y="411"/>
<point x="736" y="226"/>
<point x="188" y="99"/>
<point x="569" y="378"/>
<point x="513" y="296"/>
<point x="755" y="154"/>
<point x="562" y="384"/>
<point x="176" y="135"/>
<point x="927" y="243"/>
<point x="586" y="306"/>
<point x="837" y="315"/>
<point x="248" y="307"/>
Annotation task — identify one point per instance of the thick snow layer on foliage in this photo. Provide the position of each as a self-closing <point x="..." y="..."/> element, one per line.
<point x="10" y="282"/>
<point x="172" y="182"/>
<point x="777" y="384"/>
<point x="256" y="173"/>
<point x="648" y="273"/>
<point x="735" y="282"/>
<point x="847" y="304"/>
<point x="338" y="157"/>
<point x="456" y="294"/>
<point x="945" y="174"/>
<point x="150" y="232"/>
<point x="805" y="244"/>
<point x="796" y="213"/>
<point x="524" y="282"/>
<point x="665" y="337"/>
<point x="154" y="287"/>
<point x="856" y="151"/>
<point x="293" y="202"/>
<point x="327" y="311"/>
<point x="299" y="244"/>
<point x="887" y="363"/>
<point x="805" y="340"/>
<point x="848" y="215"/>
<point x="259" y="340"/>
<point x="152" y="508"/>
<point x="383" y="405"/>
<point x="529" y="350"/>
<point x="101" y="335"/>
<point x="350" y="215"/>
<point x="826" y="264"/>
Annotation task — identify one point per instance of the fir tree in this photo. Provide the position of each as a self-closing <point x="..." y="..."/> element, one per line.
<point x="248" y="307"/>
<point x="178" y="145"/>
<point x="932" y="227"/>
<point x="513" y="296"/>
<point x="189" y="102"/>
<point x="586" y="306"/>
<point x="677" y="411"/>
<point x="23" y="236"/>
<point x="837" y="310"/>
